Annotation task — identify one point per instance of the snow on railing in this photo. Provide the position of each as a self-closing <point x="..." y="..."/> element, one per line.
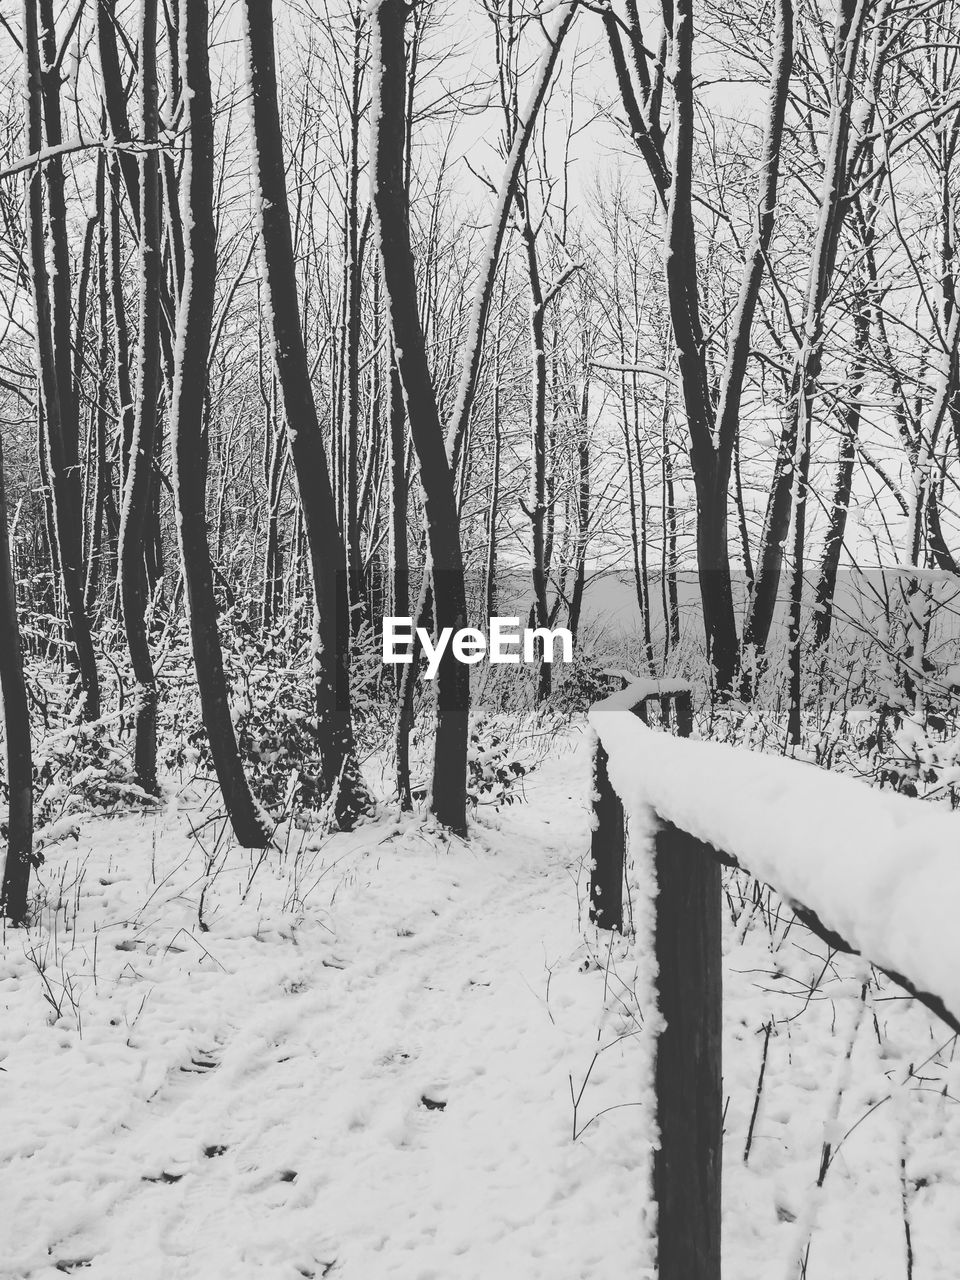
<point x="875" y="873"/>
<point x="872" y="873"/>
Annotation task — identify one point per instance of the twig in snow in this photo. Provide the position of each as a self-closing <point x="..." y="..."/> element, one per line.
<point x="768" y="1028"/>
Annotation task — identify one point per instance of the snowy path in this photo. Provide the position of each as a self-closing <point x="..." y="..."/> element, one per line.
<point x="377" y="1083"/>
<point x="264" y="1113"/>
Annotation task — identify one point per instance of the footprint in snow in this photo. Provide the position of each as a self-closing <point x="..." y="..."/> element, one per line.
<point x="202" y="1061"/>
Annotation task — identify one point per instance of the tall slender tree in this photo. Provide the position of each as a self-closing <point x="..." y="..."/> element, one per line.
<point x="438" y="452"/>
<point x="790" y="487"/>
<point x="713" y="413"/>
<point x="188" y="428"/>
<point x="339" y="771"/>
<point x="16" y="726"/>
<point x="134" y="589"/>
<point x="390" y="199"/>
<point x="45" y="216"/>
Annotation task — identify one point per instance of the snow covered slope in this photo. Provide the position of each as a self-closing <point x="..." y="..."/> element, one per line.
<point x="360" y="1059"/>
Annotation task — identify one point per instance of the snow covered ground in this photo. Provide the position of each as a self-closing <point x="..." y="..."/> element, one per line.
<point x="359" y="1056"/>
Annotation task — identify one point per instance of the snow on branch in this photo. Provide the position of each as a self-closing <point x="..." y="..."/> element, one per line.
<point x="73" y="145"/>
<point x="874" y="873"/>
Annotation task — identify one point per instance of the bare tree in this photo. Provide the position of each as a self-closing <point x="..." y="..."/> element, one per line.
<point x="390" y="200"/>
<point x="339" y="771"/>
<point x="713" y="414"/>
<point x="791" y="478"/>
<point x="134" y="590"/>
<point x="16" y="725"/>
<point x="188" y="429"/>
<point x="46" y="215"/>
<point x="439" y="458"/>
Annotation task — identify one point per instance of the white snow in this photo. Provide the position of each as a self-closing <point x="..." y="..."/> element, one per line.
<point x="334" y="990"/>
<point x="213" y="1065"/>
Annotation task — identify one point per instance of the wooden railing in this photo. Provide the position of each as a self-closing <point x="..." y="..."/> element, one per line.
<point x="687" y="940"/>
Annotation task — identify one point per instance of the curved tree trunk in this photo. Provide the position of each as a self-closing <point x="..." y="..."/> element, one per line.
<point x="60" y="434"/>
<point x="338" y="767"/>
<point x="712" y="430"/>
<point x="116" y="103"/>
<point x="449" y="791"/>
<point x="187" y="434"/>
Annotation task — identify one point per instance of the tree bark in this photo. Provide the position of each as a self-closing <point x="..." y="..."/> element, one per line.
<point x="582" y="535"/>
<point x="115" y="102"/>
<point x="338" y="768"/>
<point x="188" y="435"/>
<point x="790" y="487"/>
<point x="134" y="590"/>
<point x="352" y="331"/>
<point x="712" y="432"/>
<point x="449" y="791"/>
<point x="397" y="424"/>
<point x="16" y="723"/>
<point x="97" y="470"/>
<point x="537" y="511"/>
<point x="53" y="339"/>
<point x="840" y="505"/>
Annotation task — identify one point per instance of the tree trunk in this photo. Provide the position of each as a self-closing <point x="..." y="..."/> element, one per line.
<point x="115" y="101"/>
<point x="537" y="511"/>
<point x="16" y="723"/>
<point x="712" y="431"/>
<point x="582" y="537"/>
<point x="275" y="463"/>
<point x="638" y="527"/>
<point x="338" y="768"/>
<point x="53" y="340"/>
<point x="839" y="507"/>
<point x="793" y="459"/>
<point x="134" y="590"/>
<point x="742" y="517"/>
<point x="399" y="560"/>
<point x="353" y="301"/>
<point x="668" y="518"/>
<point x="98" y="471"/>
<point x="493" y="505"/>
<point x="449" y="792"/>
<point x="188" y="436"/>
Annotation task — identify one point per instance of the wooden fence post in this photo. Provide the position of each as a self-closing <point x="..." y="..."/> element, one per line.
<point x="688" y="1079"/>
<point x="608" y="843"/>
<point x="686" y="1173"/>
<point x="606" y="849"/>
<point x="683" y="714"/>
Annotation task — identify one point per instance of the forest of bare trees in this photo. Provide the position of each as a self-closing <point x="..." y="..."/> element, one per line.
<point x="316" y="313"/>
